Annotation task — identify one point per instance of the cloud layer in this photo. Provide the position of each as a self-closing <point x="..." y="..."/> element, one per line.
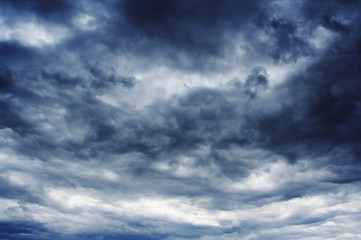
<point x="180" y="119"/>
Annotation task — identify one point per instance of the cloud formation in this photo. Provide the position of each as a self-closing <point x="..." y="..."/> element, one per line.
<point x="180" y="120"/>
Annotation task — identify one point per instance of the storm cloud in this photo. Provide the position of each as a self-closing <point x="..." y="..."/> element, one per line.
<point x="180" y="119"/>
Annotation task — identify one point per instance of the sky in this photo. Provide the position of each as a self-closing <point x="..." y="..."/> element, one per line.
<point x="180" y="119"/>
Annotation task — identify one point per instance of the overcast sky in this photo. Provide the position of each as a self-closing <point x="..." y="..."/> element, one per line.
<point x="180" y="119"/>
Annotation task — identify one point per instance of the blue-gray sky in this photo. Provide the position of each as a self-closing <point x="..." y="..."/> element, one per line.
<point x="180" y="119"/>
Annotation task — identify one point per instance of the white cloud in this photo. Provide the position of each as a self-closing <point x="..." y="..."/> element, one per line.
<point x="33" y="34"/>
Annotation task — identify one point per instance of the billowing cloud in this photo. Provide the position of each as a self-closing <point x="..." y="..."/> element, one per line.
<point x="180" y="120"/>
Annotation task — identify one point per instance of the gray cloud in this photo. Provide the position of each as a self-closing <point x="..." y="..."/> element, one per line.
<point x="206" y="120"/>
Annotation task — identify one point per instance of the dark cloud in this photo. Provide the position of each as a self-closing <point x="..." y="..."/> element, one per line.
<point x="6" y="80"/>
<point x="106" y="80"/>
<point x="21" y="230"/>
<point x="12" y="119"/>
<point x="286" y="45"/>
<point x="15" y="55"/>
<point x="58" y="11"/>
<point x="30" y="230"/>
<point x="129" y="126"/>
<point x="324" y="107"/>
<point x="9" y="116"/>
<point x="197" y="27"/>
<point x="280" y="38"/>
<point x="182" y="34"/>
<point x="256" y="81"/>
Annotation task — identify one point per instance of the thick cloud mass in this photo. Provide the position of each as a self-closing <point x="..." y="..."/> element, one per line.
<point x="180" y="119"/>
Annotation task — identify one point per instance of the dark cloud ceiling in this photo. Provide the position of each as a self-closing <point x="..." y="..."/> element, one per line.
<point x="180" y="119"/>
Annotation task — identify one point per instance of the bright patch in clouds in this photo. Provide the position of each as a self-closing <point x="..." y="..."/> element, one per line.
<point x="33" y="34"/>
